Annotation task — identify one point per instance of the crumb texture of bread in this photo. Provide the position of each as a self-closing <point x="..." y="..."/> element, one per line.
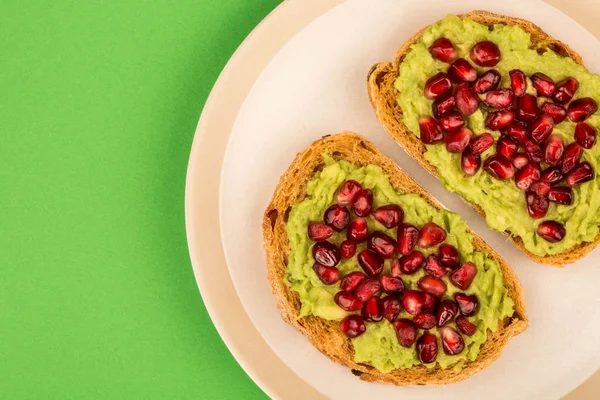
<point x="325" y="335"/>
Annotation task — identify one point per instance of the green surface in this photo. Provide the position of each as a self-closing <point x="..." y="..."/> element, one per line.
<point x="99" y="105"/>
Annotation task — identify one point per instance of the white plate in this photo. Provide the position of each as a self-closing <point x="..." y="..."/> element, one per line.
<point x="316" y="85"/>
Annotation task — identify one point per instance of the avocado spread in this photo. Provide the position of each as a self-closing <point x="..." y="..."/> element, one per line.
<point x="503" y="203"/>
<point x="379" y="346"/>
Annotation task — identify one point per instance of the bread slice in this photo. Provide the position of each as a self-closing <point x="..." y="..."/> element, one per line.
<point x="383" y="95"/>
<point x="325" y="335"/>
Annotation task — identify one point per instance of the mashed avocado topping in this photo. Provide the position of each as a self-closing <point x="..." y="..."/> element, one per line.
<point x="379" y="346"/>
<point x="503" y="203"/>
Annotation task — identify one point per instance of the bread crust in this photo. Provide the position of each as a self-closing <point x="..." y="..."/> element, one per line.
<point x="325" y="335"/>
<point x="383" y="95"/>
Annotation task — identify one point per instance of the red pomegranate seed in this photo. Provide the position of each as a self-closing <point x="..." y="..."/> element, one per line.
<point x="468" y="305"/>
<point x="370" y="262"/>
<point x="432" y="285"/>
<point x="431" y="303"/>
<point x="443" y="50"/>
<point x="372" y="310"/>
<point x="452" y="122"/>
<point x="499" y="120"/>
<point x="389" y="216"/>
<point x="327" y="275"/>
<point x="443" y="106"/>
<point x="465" y="326"/>
<point x="486" y="82"/>
<point x="391" y="308"/>
<point x="520" y="160"/>
<point x="585" y="135"/>
<point x="552" y="231"/>
<point x="543" y="84"/>
<point x="534" y="151"/>
<point x="347" y="249"/>
<point x="425" y="320"/>
<point x="500" y="99"/>
<point x="580" y="109"/>
<point x="347" y="192"/>
<point x="461" y="71"/>
<point x="554" y="150"/>
<point x="351" y="281"/>
<point x="506" y="147"/>
<point x="457" y="142"/>
<point x="437" y="86"/>
<point x="431" y="234"/>
<point x="326" y="253"/>
<point x="529" y="174"/>
<point x="431" y="132"/>
<point x="446" y="311"/>
<point x="551" y="175"/>
<point x="396" y="268"/>
<point x="318" y="231"/>
<point x="406" y="332"/>
<point x="413" y="301"/>
<point x="391" y="285"/>
<point x="427" y="348"/>
<point x="462" y="277"/>
<point x="518" y="82"/>
<point x="381" y="244"/>
<point x="485" y="54"/>
<point x="566" y="90"/>
<point x="541" y="128"/>
<point x="411" y="263"/>
<point x="434" y="267"/>
<point x="481" y="143"/>
<point x="470" y="163"/>
<point x="337" y="217"/>
<point x="537" y="205"/>
<point x="556" y="111"/>
<point x="353" y="326"/>
<point x="449" y="256"/>
<point x="561" y="195"/>
<point x="358" y="230"/>
<point x="583" y="172"/>
<point x="363" y="203"/>
<point x="347" y="301"/>
<point x="518" y="133"/>
<point x="452" y="341"/>
<point x="571" y="157"/>
<point x="540" y="188"/>
<point x="499" y="167"/>
<point x="466" y="99"/>
<point x="527" y="107"/>
<point x="367" y="289"/>
<point x="408" y="236"/>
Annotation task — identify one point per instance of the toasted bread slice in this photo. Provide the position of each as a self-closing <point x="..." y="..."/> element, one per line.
<point x="383" y="95"/>
<point x="325" y="335"/>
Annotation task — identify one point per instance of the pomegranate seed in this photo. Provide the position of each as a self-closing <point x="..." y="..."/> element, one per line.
<point x="485" y="54"/>
<point x="466" y="99"/>
<point x="499" y="167"/>
<point x="351" y="281"/>
<point x="552" y="231"/>
<point x="486" y="82"/>
<point x="527" y="107"/>
<point x="396" y="269"/>
<point x="391" y="285"/>
<point x="382" y="244"/>
<point x="367" y="289"/>
<point x="465" y="326"/>
<point x="462" y="277"/>
<point x="434" y="267"/>
<point x="468" y="305"/>
<point x="500" y="99"/>
<point x="413" y="301"/>
<point x="520" y="160"/>
<point x="407" y="238"/>
<point x="353" y="326"/>
<point x="347" y="301"/>
<point x="318" y="231"/>
<point x="437" y="86"/>
<point x="537" y="205"/>
<point x="358" y="230"/>
<point x="431" y="303"/>
<point x="370" y="262"/>
<point x="391" y="308"/>
<point x="481" y="143"/>
<point x="452" y="341"/>
<point x="507" y="147"/>
<point x="566" y="90"/>
<point x="425" y="320"/>
<point x="337" y="217"/>
<point x="326" y="253"/>
<point x="443" y="50"/>
<point x="571" y="157"/>
<point x="534" y="151"/>
<point x="499" y="119"/>
<point x="446" y="311"/>
<point x="434" y="286"/>
<point x="518" y="82"/>
<point x="541" y="128"/>
<point x="449" y="256"/>
<point x="389" y="216"/>
<point x="461" y="71"/>
<point x="347" y="249"/>
<point x="431" y="234"/>
<point x="372" y="310"/>
<point x="518" y="133"/>
<point x="457" y="142"/>
<point x="411" y="263"/>
<point x="551" y="176"/>
<point x="443" y="106"/>
<point x="583" y="172"/>
<point x="580" y="109"/>
<point x="556" y="111"/>
<point x="430" y="130"/>
<point x="585" y="135"/>
<point x="427" y="348"/>
<point x="470" y="163"/>
<point x="540" y="188"/>
<point x="327" y="275"/>
<point x="347" y="192"/>
<point x="452" y="122"/>
<point x="529" y="174"/>
<point x="561" y="195"/>
<point x="543" y="84"/>
<point x="363" y="203"/>
<point x="554" y="150"/>
<point x="406" y="332"/>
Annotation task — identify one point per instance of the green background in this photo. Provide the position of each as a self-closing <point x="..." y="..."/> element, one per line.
<point x="99" y="103"/>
